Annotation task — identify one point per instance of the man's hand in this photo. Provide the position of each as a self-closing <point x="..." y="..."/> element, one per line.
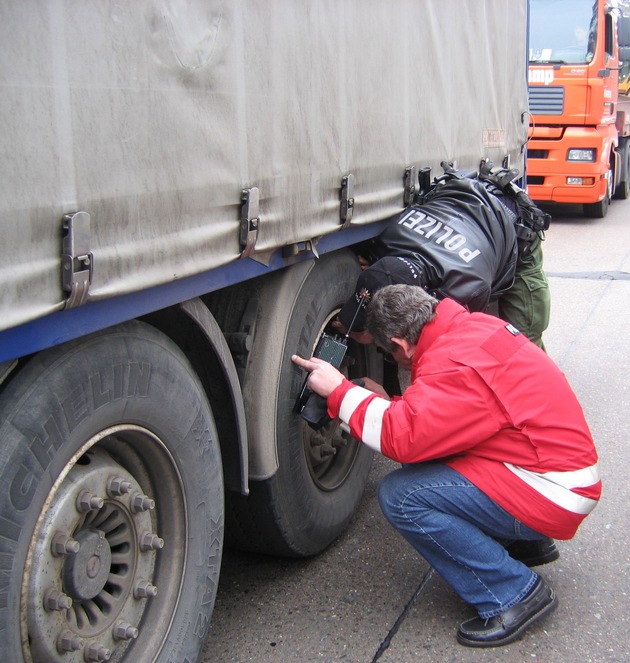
<point x="323" y="379"/>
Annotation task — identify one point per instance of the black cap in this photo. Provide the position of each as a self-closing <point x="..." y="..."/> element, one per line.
<point x="386" y="271"/>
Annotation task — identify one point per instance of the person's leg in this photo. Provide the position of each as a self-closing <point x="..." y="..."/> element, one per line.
<point x="457" y="529"/>
<point x="527" y="304"/>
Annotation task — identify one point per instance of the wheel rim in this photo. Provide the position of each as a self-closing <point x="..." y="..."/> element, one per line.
<point x="330" y="452"/>
<point x="98" y="580"/>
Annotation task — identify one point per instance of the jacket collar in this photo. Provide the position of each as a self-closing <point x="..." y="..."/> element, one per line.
<point x="446" y="312"/>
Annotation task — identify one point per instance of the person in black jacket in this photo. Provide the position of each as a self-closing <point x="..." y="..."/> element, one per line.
<point x="474" y="238"/>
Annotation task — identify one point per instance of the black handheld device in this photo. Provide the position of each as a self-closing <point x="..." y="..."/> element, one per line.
<point x="310" y="406"/>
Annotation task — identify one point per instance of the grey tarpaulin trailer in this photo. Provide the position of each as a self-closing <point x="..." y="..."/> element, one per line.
<point x="182" y="184"/>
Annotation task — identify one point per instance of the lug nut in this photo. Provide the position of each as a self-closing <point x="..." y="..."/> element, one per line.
<point x="125" y="631"/>
<point x="62" y="544"/>
<point x="141" y="502"/>
<point x="68" y="641"/>
<point x="97" y="653"/>
<point x="150" y="541"/>
<point x="118" y="486"/>
<point x="56" y="600"/>
<point x="144" y="589"/>
<point x="88" y="502"/>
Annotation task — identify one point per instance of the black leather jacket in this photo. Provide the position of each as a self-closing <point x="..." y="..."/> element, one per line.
<point x="462" y="238"/>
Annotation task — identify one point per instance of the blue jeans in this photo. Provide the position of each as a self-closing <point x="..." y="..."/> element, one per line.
<point x="457" y="528"/>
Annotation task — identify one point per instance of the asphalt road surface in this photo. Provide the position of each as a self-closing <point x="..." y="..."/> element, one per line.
<point x="369" y="597"/>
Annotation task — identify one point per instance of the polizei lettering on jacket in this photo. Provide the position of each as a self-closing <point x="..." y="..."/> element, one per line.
<point x="438" y="232"/>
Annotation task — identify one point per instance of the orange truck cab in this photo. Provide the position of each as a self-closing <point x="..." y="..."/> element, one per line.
<point x="578" y="148"/>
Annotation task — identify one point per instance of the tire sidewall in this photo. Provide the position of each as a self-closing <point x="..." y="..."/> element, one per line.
<point x="59" y="383"/>
<point x="328" y="285"/>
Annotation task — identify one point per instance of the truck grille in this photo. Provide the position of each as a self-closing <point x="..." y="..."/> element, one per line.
<point x="546" y="100"/>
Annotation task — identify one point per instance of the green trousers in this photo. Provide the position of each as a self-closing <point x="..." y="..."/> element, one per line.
<point x="527" y="303"/>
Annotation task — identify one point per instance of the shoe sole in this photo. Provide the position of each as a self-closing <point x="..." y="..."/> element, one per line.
<point x="550" y="607"/>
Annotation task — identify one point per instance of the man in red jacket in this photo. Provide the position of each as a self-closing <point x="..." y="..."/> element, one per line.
<point x="494" y="447"/>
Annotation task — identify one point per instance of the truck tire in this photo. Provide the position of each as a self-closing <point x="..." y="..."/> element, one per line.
<point x="622" y="191"/>
<point x="599" y="209"/>
<point x="321" y="477"/>
<point x="111" y="503"/>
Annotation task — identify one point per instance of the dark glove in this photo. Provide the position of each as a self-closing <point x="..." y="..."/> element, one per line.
<point x="315" y="412"/>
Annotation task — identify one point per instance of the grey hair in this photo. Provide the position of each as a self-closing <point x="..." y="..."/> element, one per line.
<point x="399" y="311"/>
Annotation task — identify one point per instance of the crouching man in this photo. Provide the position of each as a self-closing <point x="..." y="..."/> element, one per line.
<point x="494" y="447"/>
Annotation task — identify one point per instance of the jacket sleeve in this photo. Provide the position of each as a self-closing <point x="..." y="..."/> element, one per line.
<point x="437" y="417"/>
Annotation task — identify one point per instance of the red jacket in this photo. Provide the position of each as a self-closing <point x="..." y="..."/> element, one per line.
<point x="492" y="405"/>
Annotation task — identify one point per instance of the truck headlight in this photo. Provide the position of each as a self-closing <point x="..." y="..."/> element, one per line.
<point x="580" y="154"/>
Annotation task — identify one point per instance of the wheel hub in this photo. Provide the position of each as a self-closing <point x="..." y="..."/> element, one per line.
<point x="93" y="564"/>
<point x="85" y="574"/>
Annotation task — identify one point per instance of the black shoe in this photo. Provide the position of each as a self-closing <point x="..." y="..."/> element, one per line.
<point x="509" y="625"/>
<point x="533" y="553"/>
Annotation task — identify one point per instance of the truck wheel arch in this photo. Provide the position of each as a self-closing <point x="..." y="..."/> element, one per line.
<point x="298" y="503"/>
<point x="195" y="330"/>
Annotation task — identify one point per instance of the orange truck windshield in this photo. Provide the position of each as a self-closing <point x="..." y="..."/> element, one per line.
<point x="562" y="31"/>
